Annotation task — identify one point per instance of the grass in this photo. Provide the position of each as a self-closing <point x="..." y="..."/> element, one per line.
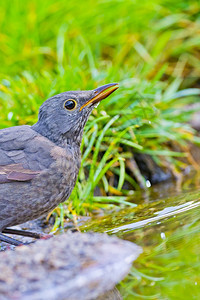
<point x="151" y="48"/>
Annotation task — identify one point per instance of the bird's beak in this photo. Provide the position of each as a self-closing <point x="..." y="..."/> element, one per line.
<point x="101" y="93"/>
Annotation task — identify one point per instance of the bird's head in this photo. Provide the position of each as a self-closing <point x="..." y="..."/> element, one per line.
<point x="63" y="116"/>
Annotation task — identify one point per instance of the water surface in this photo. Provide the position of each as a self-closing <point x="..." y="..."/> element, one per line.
<point x="166" y="223"/>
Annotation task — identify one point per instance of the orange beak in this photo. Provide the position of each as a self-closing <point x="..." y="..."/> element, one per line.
<point x="101" y="93"/>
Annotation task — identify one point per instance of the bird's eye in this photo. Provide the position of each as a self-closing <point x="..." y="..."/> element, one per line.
<point x="70" y="104"/>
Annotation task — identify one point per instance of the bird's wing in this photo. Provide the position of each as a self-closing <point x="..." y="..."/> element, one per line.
<point x="16" y="172"/>
<point x="23" y="154"/>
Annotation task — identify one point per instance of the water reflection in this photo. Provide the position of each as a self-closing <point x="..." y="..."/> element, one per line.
<point x="168" y="229"/>
<point x="170" y="211"/>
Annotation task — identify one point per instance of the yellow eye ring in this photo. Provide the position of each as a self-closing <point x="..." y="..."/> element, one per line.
<point x="70" y="104"/>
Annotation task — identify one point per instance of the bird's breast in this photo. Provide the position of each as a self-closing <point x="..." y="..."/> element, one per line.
<point x="58" y="181"/>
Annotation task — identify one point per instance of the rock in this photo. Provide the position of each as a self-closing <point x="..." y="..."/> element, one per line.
<point x="69" y="266"/>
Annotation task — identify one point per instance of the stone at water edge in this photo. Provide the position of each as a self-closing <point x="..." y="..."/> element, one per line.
<point x="70" y="266"/>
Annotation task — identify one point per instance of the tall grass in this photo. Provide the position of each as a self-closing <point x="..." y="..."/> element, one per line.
<point x="150" y="47"/>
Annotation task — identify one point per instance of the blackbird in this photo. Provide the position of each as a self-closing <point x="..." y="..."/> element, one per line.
<point x="39" y="164"/>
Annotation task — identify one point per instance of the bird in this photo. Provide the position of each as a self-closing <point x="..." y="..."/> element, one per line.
<point x="39" y="164"/>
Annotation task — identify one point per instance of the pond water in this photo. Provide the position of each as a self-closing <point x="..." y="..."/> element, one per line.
<point x="166" y="224"/>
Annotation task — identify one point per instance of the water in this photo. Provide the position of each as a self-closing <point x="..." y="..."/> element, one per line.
<point x="166" y="224"/>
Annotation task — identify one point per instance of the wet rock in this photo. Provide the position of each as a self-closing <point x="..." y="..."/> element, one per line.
<point x="150" y="170"/>
<point x="69" y="266"/>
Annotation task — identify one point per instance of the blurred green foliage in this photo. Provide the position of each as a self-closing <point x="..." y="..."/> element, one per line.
<point x="150" y="47"/>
